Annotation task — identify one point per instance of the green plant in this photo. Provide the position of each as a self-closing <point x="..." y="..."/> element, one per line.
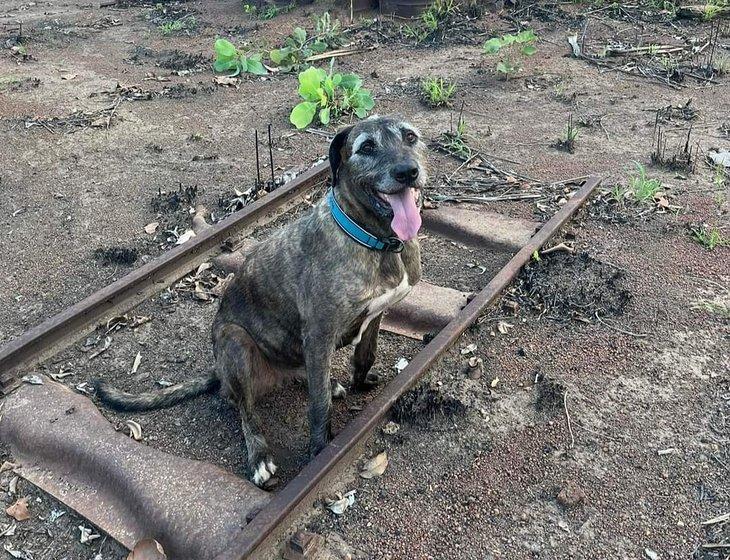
<point x="618" y="193"/>
<point x="267" y="12"/>
<point x="455" y="142"/>
<point x="187" y="23"/>
<point x="328" y="31"/>
<point x="230" y="59"/>
<point x="434" y="17"/>
<point x="567" y="141"/>
<point x="509" y="47"/>
<point x="709" y="237"/>
<point x="712" y="9"/>
<point x="298" y="47"/>
<point x="642" y="187"/>
<point x="719" y="176"/>
<point x="329" y="96"/>
<point x="437" y="91"/>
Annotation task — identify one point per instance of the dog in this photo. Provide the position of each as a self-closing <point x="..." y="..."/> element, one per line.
<point x="318" y="284"/>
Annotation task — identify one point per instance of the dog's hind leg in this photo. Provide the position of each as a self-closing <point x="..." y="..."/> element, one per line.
<point x="241" y="367"/>
<point x="364" y="357"/>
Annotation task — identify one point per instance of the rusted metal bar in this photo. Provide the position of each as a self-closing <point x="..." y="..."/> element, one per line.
<point x="72" y="323"/>
<point x="132" y="491"/>
<point x="273" y="519"/>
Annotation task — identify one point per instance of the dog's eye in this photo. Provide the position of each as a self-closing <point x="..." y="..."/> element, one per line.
<point x="411" y="137"/>
<point x="366" y="148"/>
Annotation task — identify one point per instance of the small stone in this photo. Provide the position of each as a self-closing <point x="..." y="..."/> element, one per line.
<point x="651" y="554"/>
<point x="571" y="495"/>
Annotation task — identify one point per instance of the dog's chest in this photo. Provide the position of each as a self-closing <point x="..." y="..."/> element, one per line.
<point x="382" y="302"/>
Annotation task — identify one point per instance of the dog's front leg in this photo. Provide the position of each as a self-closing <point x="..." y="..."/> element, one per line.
<point x="364" y="357"/>
<point x="318" y="350"/>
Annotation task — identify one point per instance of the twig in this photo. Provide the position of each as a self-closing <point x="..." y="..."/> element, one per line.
<point x="445" y="198"/>
<point x="319" y="132"/>
<point x="567" y="418"/>
<point x="719" y="519"/>
<point x="337" y="53"/>
<point x="559" y="247"/>
<point x="637" y="335"/>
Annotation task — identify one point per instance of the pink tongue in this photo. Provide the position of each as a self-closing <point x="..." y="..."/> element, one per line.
<point x="406" y="219"/>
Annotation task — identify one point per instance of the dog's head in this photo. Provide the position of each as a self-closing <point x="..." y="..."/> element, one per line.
<point x="380" y="162"/>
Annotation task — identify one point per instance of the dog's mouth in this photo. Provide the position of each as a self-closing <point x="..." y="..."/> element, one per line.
<point x="403" y="206"/>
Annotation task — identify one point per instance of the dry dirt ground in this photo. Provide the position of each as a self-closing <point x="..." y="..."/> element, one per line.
<point x="597" y="426"/>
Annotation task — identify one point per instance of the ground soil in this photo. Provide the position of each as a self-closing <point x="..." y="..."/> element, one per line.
<point x="596" y="426"/>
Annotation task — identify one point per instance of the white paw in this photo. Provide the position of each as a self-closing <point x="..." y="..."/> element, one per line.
<point x="264" y="471"/>
<point x="338" y="391"/>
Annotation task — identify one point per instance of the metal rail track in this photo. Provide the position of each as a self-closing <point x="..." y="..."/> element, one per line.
<point x="269" y="524"/>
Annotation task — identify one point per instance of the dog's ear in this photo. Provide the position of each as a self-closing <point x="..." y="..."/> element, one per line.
<point x="335" y="151"/>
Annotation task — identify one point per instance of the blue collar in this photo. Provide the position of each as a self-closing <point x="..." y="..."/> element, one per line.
<point x="348" y="225"/>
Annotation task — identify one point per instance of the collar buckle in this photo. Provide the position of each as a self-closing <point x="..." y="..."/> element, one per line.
<point x="393" y="244"/>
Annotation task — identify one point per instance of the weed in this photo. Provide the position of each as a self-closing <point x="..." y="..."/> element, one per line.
<point x="721" y="64"/>
<point x="455" y="142"/>
<point x="719" y="175"/>
<point x="642" y="187"/>
<point x="329" y="96"/>
<point x="506" y="46"/>
<point x="437" y="91"/>
<point x="298" y="46"/>
<point x="711" y="10"/>
<point x="329" y="31"/>
<point x="709" y="237"/>
<point x="267" y="12"/>
<point x="230" y="59"/>
<point x="567" y="141"/>
<point x="436" y="17"/>
<point x="560" y="91"/>
<point x="618" y="193"/>
<point x="184" y="24"/>
<point x="665" y="6"/>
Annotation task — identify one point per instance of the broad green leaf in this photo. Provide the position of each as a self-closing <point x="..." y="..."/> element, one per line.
<point x="299" y="35"/>
<point x="492" y="46"/>
<point x="225" y="65"/>
<point x="303" y="114"/>
<point x="507" y="40"/>
<point x="350" y="81"/>
<point x="529" y="50"/>
<point x="319" y="46"/>
<point x="255" y="56"/>
<point x="361" y="113"/>
<point x="225" y="50"/>
<point x="255" y="67"/>
<point x="329" y="87"/>
<point x="323" y="100"/>
<point x="526" y="36"/>
<point x="324" y="116"/>
<point x="503" y="68"/>
<point x="337" y="79"/>
<point x="309" y="83"/>
<point x="276" y="56"/>
<point x="364" y="99"/>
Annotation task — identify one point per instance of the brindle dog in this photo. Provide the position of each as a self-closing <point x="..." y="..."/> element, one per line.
<point x="311" y="288"/>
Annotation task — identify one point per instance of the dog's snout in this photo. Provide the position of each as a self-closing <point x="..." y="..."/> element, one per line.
<point x="405" y="172"/>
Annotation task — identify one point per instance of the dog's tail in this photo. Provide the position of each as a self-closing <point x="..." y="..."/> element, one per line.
<point x="153" y="400"/>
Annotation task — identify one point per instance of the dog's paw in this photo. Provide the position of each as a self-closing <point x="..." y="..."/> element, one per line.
<point x="264" y="472"/>
<point x="338" y="391"/>
<point x="371" y="380"/>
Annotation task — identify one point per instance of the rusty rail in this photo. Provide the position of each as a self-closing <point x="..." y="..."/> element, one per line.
<point x="57" y="332"/>
<point x="273" y="519"/>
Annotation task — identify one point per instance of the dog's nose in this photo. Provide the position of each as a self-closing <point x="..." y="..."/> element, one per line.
<point x="405" y="172"/>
